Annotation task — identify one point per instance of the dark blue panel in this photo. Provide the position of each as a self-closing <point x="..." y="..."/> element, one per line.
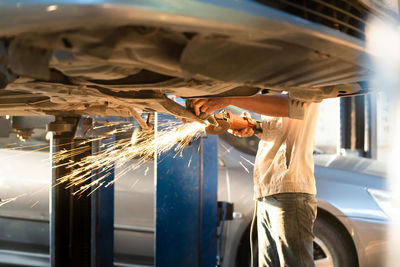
<point x="209" y="201"/>
<point x="177" y="208"/>
<point x="102" y="229"/>
<point x="186" y="206"/>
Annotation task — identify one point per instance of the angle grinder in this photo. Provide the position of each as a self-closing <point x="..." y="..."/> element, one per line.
<point x="225" y="120"/>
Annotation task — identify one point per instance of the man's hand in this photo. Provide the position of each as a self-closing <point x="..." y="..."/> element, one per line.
<point x="209" y="105"/>
<point x="246" y="132"/>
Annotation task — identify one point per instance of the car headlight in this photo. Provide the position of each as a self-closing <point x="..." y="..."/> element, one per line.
<point x="382" y="198"/>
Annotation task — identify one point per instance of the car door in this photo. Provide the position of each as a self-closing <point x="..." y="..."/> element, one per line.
<point x="25" y="177"/>
<point x="134" y="213"/>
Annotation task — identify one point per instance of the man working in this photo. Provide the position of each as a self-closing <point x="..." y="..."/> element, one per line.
<point x="284" y="184"/>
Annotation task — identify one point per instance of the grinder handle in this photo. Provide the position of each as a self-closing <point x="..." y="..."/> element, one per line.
<point x="257" y="128"/>
<point x="239" y="123"/>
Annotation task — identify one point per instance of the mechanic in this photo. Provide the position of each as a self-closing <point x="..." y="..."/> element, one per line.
<point x="284" y="184"/>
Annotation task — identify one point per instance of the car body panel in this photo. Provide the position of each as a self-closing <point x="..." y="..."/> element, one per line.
<point x="13" y="257"/>
<point x="372" y="245"/>
<point x="134" y="213"/>
<point x="365" y="233"/>
<point x="362" y="202"/>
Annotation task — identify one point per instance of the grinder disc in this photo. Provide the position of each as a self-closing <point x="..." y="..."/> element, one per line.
<point x="223" y="126"/>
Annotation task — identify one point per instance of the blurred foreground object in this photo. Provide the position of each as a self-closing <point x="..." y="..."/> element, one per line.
<point x="383" y="39"/>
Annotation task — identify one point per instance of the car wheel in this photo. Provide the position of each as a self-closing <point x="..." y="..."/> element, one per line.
<point x="331" y="248"/>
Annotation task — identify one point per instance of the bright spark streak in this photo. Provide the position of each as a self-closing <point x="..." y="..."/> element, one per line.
<point x="247" y="160"/>
<point x="34" y="204"/>
<point x="226" y="149"/>
<point x="247" y="170"/>
<point x="190" y="161"/>
<point x="11" y="199"/>
<point x="146" y="171"/>
<point x="134" y="184"/>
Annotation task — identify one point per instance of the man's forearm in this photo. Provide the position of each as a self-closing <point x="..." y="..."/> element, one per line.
<point x="275" y="106"/>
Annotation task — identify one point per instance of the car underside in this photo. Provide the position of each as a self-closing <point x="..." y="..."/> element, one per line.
<point x="109" y="58"/>
<point x="105" y="59"/>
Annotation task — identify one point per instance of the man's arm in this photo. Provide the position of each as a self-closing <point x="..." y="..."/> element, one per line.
<point x="270" y="105"/>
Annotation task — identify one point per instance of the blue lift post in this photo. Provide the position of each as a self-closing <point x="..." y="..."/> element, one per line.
<point x="186" y="206"/>
<point x="102" y="212"/>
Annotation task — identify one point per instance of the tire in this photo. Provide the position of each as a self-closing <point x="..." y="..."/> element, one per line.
<point x="332" y="247"/>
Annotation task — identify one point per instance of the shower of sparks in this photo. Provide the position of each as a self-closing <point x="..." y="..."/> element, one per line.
<point x="140" y="146"/>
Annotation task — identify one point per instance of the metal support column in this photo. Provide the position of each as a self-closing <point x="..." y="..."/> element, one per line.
<point x="358" y="125"/>
<point x="371" y="126"/>
<point x="346" y="128"/>
<point x="186" y="206"/>
<point x="81" y="227"/>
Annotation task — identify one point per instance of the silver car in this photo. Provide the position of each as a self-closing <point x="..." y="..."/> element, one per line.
<point x="353" y="209"/>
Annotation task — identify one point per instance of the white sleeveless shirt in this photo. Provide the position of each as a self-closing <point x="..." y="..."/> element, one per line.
<point x="284" y="161"/>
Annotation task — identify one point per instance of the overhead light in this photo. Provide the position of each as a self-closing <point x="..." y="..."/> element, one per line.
<point x="51" y="8"/>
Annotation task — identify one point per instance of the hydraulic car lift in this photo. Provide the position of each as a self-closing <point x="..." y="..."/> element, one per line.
<point x="186" y="206"/>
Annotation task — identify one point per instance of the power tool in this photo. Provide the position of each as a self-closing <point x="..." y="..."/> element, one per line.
<point x="225" y="120"/>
